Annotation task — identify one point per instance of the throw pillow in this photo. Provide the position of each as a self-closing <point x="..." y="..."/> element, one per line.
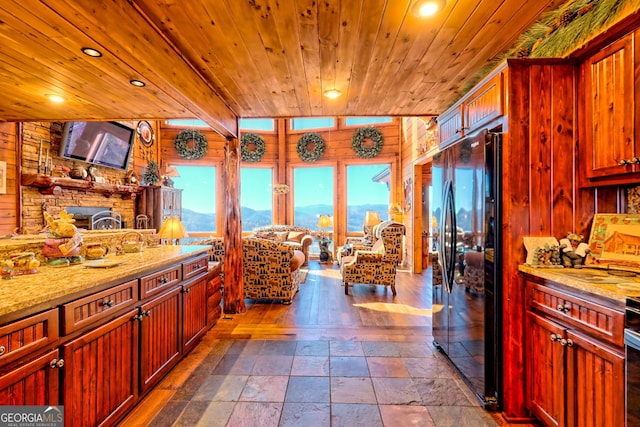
<point x="281" y="236"/>
<point x="295" y="236"/>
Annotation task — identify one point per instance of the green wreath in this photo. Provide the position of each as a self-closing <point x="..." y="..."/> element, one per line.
<point x="310" y="155"/>
<point x="366" y="151"/>
<point x="255" y="154"/>
<point x="194" y="152"/>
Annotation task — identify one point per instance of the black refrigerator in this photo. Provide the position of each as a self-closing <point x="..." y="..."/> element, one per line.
<point x="467" y="303"/>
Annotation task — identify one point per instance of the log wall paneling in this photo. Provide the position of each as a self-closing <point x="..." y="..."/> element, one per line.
<point x="538" y="190"/>
<point x="10" y="201"/>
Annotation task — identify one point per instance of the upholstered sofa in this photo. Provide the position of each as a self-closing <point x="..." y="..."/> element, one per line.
<point x="271" y="268"/>
<point x="300" y="237"/>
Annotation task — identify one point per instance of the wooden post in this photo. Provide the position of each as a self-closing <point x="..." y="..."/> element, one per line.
<point x="233" y="255"/>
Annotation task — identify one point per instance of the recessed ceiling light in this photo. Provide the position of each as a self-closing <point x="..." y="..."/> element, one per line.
<point x="137" y="83"/>
<point x="89" y="51"/>
<point x="332" y="93"/>
<point x="55" y="98"/>
<point x="426" y="8"/>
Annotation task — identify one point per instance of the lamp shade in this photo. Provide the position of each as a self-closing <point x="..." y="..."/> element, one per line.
<point x="171" y="171"/>
<point x="325" y="221"/>
<point x="172" y="228"/>
<point x="371" y="218"/>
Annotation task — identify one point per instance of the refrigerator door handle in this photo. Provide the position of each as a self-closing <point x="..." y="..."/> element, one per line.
<point x="448" y="237"/>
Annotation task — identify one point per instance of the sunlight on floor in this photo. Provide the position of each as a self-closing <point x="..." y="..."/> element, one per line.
<point x="400" y="308"/>
<point x="334" y="274"/>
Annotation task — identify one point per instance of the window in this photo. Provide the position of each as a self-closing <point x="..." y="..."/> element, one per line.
<point x="312" y="195"/>
<point x="366" y="192"/>
<point x="360" y="121"/>
<point x="258" y="124"/>
<point x="198" y="185"/>
<point x="187" y="123"/>
<point x="256" y="197"/>
<point x="306" y="123"/>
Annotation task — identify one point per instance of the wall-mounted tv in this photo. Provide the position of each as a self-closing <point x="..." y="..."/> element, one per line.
<point x="101" y="143"/>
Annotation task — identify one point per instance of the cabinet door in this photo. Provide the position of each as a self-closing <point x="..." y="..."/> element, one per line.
<point x="595" y="386"/>
<point x="545" y="370"/>
<point x="609" y="112"/>
<point x="160" y="337"/>
<point x="194" y="312"/>
<point x="484" y="105"/>
<point x="450" y="126"/>
<point x="35" y="383"/>
<point x="100" y="373"/>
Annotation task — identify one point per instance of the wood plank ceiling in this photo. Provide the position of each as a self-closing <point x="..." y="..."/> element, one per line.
<point x="221" y="59"/>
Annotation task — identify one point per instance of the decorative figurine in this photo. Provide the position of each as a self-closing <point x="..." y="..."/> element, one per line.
<point x="573" y="250"/>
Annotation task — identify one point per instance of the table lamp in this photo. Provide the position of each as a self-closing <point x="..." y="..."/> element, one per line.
<point x="324" y="222"/>
<point x="172" y="228"/>
<point x="371" y="218"/>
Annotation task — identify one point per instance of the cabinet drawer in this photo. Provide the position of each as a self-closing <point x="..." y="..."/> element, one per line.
<point x="28" y="335"/>
<point x="591" y="318"/>
<point x="157" y="282"/>
<point x="195" y="267"/>
<point x="80" y="313"/>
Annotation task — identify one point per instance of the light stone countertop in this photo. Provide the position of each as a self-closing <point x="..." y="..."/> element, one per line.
<point x="52" y="284"/>
<point x="595" y="281"/>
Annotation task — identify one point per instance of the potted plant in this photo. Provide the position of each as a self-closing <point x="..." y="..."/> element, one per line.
<point x="151" y="174"/>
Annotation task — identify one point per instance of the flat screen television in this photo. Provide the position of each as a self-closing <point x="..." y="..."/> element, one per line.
<point x="102" y="143"/>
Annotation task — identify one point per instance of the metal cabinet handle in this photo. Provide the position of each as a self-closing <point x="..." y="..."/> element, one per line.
<point x="2" y="349"/>
<point x="563" y="308"/>
<point x="163" y="280"/>
<point x="631" y="161"/>
<point x="56" y="363"/>
<point x="556" y="337"/>
<point x="186" y="290"/>
<point x="567" y="343"/>
<point x="108" y="303"/>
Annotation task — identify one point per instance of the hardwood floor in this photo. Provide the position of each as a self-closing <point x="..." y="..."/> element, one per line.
<point x="328" y="359"/>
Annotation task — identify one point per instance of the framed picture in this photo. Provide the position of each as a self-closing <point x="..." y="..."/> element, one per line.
<point x="3" y="177"/>
<point x="616" y="238"/>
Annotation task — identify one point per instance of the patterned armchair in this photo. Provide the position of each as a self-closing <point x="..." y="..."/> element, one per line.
<point x="376" y="266"/>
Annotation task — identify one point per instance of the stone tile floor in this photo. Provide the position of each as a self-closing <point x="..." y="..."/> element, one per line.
<point x="261" y="383"/>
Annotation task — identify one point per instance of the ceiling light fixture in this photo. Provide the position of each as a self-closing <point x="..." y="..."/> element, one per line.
<point x="137" y="83"/>
<point x="426" y="8"/>
<point x="55" y="98"/>
<point x="332" y="93"/>
<point x="89" y="51"/>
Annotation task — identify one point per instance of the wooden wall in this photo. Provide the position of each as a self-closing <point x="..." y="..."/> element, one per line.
<point x="10" y="201"/>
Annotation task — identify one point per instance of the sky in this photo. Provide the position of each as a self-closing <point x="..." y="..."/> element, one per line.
<point x="316" y="187"/>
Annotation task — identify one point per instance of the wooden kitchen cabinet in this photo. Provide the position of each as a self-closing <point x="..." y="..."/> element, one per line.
<point x="194" y="312"/>
<point x="159" y="203"/>
<point x="575" y="360"/>
<point x="473" y="111"/>
<point x="214" y="294"/>
<point x="160" y="336"/>
<point x="34" y="383"/>
<point x="610" y="142"/>
<point x="101" y="373"/>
